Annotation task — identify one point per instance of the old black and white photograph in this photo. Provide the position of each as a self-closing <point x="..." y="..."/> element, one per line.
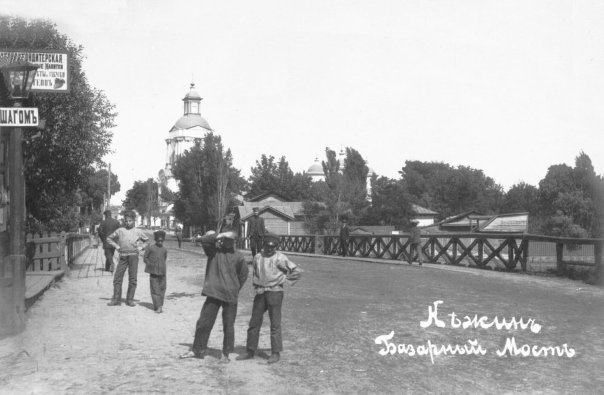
<point x="301" y="197"/>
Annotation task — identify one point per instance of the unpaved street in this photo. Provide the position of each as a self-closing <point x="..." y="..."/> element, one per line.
<point x="76" y="344"/>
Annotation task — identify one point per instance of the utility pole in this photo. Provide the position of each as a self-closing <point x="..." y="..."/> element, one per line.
<point x="108" y="186"/>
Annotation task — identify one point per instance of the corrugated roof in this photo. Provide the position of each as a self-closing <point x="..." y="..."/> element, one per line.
<point x="422" y="210"/>
<point x="514" y="223"/>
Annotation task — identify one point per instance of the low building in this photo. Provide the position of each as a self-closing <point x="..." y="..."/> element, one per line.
<point x="280" y="216"/>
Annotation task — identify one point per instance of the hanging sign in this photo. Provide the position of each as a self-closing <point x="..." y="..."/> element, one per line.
<point x="19" y="116"/>
<point x="53" y="71"/>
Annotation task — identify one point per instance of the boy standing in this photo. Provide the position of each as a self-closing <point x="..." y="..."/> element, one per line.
<point x="271" y="270"/>
<point x="155" y="264"/>
<point x="226" y="272"/>
<point x="127" y="242"/>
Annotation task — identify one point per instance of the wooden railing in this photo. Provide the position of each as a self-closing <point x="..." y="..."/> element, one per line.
<point x="54" y="251"/>
<point x="495" y="250"/>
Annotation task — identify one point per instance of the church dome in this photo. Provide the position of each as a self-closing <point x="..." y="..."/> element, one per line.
<point x="316" y="169"/>
<point x="189" y="121"/>
<point x="192" y="94"/>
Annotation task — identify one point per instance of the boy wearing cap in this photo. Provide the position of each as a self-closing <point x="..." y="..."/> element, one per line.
<point x="155" y="264"/>
<point x="272" y="269"/>
<point x="415" y="239"/>
<point x="127" y="241"/>
<point x="226" y="272"/>
<point x="108" y="226"/>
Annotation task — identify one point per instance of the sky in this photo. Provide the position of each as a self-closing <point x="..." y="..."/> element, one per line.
<point x="508" y="87"/>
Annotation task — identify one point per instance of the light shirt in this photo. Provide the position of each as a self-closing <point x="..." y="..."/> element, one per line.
<point x="127" y="240"/>
<point x="270" y="273"/>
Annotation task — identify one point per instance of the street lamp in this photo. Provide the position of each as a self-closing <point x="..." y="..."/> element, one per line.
<point x="18" y="78"/>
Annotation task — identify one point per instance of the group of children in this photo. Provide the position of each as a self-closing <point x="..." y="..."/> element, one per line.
<point x="226" y="273"/>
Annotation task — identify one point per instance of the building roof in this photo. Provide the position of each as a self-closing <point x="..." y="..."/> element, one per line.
<point x="513" y="223"/>
<point x="189" y="121"/>
<point x="192" y="94"/>
<point x="286" y="209"/>
<point x="419" y="210"/>
<point x="267" y="195"/>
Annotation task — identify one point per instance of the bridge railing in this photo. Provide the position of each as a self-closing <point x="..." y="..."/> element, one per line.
<point x="53" y="251"/>
<point x="505" y="251"/>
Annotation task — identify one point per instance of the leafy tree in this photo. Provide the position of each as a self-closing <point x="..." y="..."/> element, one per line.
<point x="521" y="197"/>
<point x="208" y="183"/>
<point x="343" y="193"/>
<point x="450" y="190"/>
<point x="270" y="176"/>
<point x="142" y="197"/>
<point x="94" y="192"/>
<point x="77" y="134"/>
<point x="390" y="203"/>
<point x="571" y="200"/>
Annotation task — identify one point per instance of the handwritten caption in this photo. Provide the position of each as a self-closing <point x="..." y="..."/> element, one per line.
<point x="472" y="346"/>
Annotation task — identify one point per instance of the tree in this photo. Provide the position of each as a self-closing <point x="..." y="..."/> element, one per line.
<point x="571" y="200"/>
<point x="520" y="197"/>
<point x="343" y="193"/>
<point x="94" y="192"/>
<point x="208" y="184"/>
<point x="390" y="203"/>
<point x="77" y="134"/>
<point x="269" y="176"/>
<point x="142" y="197"/>
<point x="450" y="190"/>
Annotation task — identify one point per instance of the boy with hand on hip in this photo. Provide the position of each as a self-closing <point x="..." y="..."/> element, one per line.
<point x="155" y="264"/>
<point x="272" y="269"/>
<point x="126" y="242"/>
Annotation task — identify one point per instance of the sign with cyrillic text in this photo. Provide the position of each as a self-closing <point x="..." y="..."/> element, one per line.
<point x="19" y="116"/>
<point x="53" y="71"/>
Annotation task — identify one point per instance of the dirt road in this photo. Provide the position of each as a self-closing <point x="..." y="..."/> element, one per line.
<point x="76" y="344"/>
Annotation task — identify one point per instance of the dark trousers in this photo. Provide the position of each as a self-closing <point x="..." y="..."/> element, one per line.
<point x="255" y="244"/>
<point x="109" y="258"/>
<point x="343" y="247"/>
<point x="415" y="250"/>
<point x="179" y="239"/>
<point x="206" y="320"/>
<point x="271" y="301"/>
<point x="129" y="262"/>
<point x="158" y="289"/>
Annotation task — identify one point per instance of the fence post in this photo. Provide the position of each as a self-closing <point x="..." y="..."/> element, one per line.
<point x="525" y="247"/>
<point x="559" y="258"/>
<point x="598" y="262"/>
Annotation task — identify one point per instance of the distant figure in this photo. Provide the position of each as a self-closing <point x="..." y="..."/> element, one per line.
<point x="108" y="226"/>
<point x="226" y="272"/>
<point x="272" y="270"/>
<point x="126" y="242"/>
<point x="344" y="235"/>
<point x="256" y="231"/>
<point x="415" y="239"/>
<point x="155" y="264"/>
<point x="178" y="233"/>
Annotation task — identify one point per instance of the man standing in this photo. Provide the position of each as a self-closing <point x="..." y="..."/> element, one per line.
<point x="226" y="272"/>
<point x="256" y="231"/>
<point x="415" y="239"/>
<point x="178" y="233"/>
<point x="344" y="234"/>
<point x="127" y="241"/>
<point x="107" y="227"/>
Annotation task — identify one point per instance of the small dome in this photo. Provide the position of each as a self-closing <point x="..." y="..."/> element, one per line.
<point x="316" y="169"/>
<point x="189" y="121"/>
<point x="192" y="94"/>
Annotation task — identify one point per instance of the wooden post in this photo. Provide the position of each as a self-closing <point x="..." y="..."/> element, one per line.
<point x="525" y="248"/>
<point x="559" y="258"/>
<point x="598" y="262"/>
<point x="480" y="252"/>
